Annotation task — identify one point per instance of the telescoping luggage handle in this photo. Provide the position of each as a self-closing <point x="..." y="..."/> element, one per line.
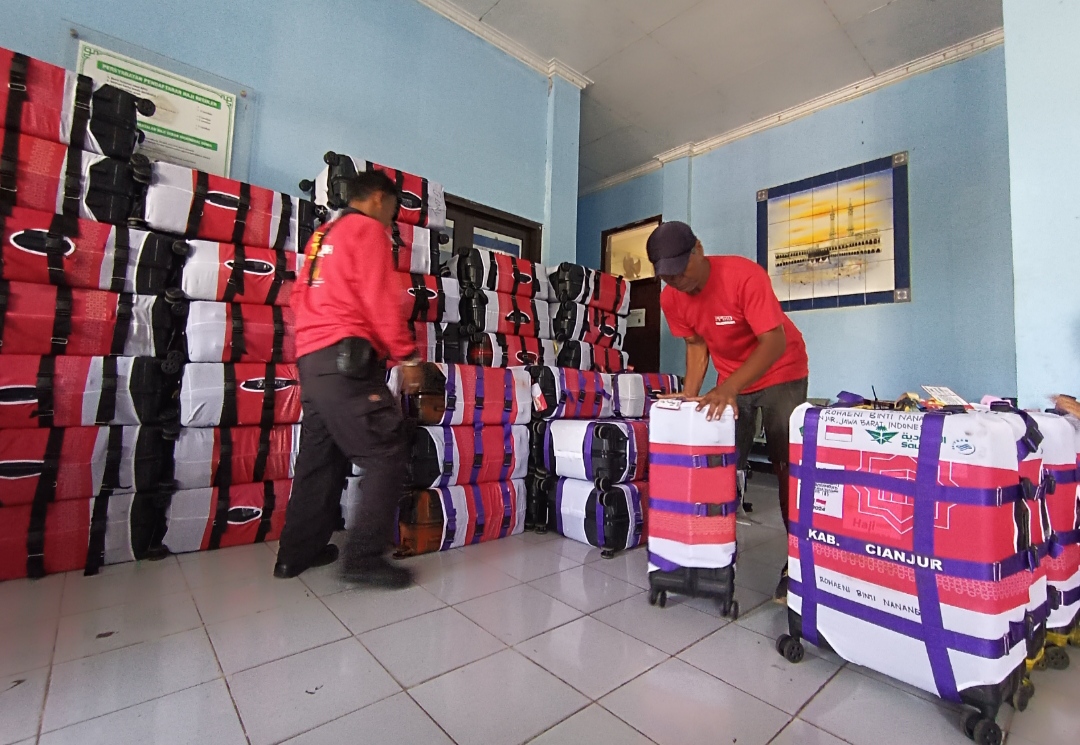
<point x="926" y="493"/>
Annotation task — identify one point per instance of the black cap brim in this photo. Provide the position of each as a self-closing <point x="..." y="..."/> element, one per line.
<point x="672" y="266"/>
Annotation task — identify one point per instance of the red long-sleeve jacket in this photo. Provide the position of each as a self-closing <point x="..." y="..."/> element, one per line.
<point x="347" y="288"/>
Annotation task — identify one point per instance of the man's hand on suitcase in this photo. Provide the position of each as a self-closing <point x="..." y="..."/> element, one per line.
<point x="717" y="401"/>
<point x="412" y="376"/>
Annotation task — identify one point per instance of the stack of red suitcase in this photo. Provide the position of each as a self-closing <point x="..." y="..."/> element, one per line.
<point x="469" y="457"/>
<point x="590" y="454"/>
<point x="86" y="376"/>
<point x="588" y="317"/>
<point x="938" y="548"/>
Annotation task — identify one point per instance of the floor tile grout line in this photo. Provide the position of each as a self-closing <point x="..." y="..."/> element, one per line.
<point x="224" y="678"/>
<point x="431" y="718"/>
<point x="810" y="700"/>
<point x="49" y="674"/>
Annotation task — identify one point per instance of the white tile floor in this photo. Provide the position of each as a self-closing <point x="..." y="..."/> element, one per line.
<point x="530" y="639"/>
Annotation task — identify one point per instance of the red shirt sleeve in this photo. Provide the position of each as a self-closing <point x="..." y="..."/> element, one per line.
<point x="761" y="309"/>
<point x="372" y="273"/>
<point x="669" y="304"/>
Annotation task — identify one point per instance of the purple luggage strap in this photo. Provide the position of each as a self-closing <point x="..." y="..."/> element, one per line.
<point x="450" y="518"/>
<point x="926" y="494"/>
<point x="558" y="505"/>
<point x="473" y="491"/>
<point x="448" y="456"/>
<point x="508" y="510"/>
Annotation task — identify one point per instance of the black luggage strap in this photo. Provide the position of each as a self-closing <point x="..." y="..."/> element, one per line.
<point x="420" y="301"/>
<point x="396" y="243"/>
<point x="198" y="204"/>
<point x="235" y="284"/>
<point x="45" y="376"/>
<point x="56" y="246"/>
<point x="224" y="474"/>
<point x="229" y="414"/>
<point x="9" y="155"/>
<point x="269" y="504"/>
<point x="73" y="190"/>
<point x="121" y="258"/>
<point x="399" y="182"/>
<point x="44" y="495"/>
<point x="620" y="287"/>
<point x="61" y="329"/>
<point x="514" y="274"/>
<point x="280" y="275"/>
<point x="80" y="117"/>
<point x="238" y="348"/>
<point x="125" y="302"/>
<point x="266" y="421"/>
<point x="278" y="352"/>
<point x="106" y="410"/>
<point x="285" y="224"/>
<point x="4" y="292"/>
<point x="441" y="298"/>
<point x="221" y="517"/>
<point x="99" y="518"/>
<point x="242" y="208"/>
<point x="424" y="202"/>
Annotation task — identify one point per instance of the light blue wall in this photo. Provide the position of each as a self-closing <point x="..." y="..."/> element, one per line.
<point x="1044" y="144"/>
<point x="563" y="144"/>
<point x="958" y="331"/>
<point x="389" y="80"/>
<point x="619" y="205"/>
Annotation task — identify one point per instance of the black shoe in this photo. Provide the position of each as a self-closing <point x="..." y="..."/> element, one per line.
<point x="377" y="572"/>
<point x="780" y="595"/>
<point x="328" y="555"/>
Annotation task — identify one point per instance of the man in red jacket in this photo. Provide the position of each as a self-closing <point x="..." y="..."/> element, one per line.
<point x="348" y="323"/>
<point x="725" y="308"/>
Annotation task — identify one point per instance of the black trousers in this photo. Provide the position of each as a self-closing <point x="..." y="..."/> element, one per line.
<point x="776" y="403"/>
<point x="346" y="420"/>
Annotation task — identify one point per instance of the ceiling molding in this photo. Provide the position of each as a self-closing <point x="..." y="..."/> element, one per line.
<point x="546" y="67"/>
<point x="955" y="53"/>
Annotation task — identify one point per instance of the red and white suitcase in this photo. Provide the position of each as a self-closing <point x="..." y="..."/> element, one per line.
<point x="652" y="385"/>
<point x="500" y="350"/>
<point x="438" y="342"/>
<point x="54" y="178"/>
<point x="584" y="356"/>
<point x="209" y="456"/>
<point x="229" y="273"/>
<point x="608" y="452"/>
<point x="44" y="319"/>
<point x="239" y="394"/>
<point x="914" y="549"/>
<point x="466" y="394"/>
<point x="40" y="247"/>
<point x="451" y="456"/>
<point x="46" y="101"/>
<point x="238" y="332"/>
<point x="46" y="391"/>
<point x="56" y="464"/>
<point x="579" y="284"/>
<point x="576" y="322"/>
<point x="430" y="299"/>
<point x="416" y="250"/>
<point x="195" y="204"/>
<point x="487" y="312"/>
<point x="612" y="519"/>
<point x="212" y="518"/>
<point x="500" y="272"/>
<point x="566" y="393"/>
<point x="423" y="202"/>
<point x="454" y="516"/>
<point x="1061" y="518"/>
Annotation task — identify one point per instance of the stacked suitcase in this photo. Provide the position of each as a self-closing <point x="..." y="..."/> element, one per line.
<point x="588" y="317"/>
<point x="468" y="457"/>
<point x="87" y="381"/>
<point x="938" y="548"/>
<point x="589" y="455"/>
<point x="693" y="502"/>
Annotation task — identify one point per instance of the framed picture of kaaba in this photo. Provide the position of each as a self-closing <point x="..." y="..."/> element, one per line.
<point x="840" y="239"/>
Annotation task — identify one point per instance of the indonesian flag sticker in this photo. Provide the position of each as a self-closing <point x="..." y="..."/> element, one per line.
<point x="838" y="433"/>
<point x="538" y="397"/>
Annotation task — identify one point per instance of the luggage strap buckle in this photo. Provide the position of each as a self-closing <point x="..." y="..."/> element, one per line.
<point x="709" y="509"/>
<point x="17" y="87"/>
<point x="59" y="340"/>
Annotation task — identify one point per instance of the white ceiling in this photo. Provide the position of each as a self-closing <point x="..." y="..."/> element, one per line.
<point x="669" y="72"/>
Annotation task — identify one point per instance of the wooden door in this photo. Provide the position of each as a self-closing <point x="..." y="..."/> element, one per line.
<point x="643" y="326"/>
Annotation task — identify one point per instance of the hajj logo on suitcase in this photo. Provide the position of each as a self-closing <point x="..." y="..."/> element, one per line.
<point x="428" y="293"/>
<point x="39" y="242"/>
<point x="18" y="395"/>
<point x="259" y="385"/>
<point x="10" y="470"/>
<point x="252" y="266"/>
<point x="526" y="357"/>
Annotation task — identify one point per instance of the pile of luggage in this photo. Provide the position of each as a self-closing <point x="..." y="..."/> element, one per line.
<point x="941" y="548"/>
<point x="115" y="272"/>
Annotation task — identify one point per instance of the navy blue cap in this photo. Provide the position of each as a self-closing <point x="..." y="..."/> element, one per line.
<point x="669" y="248"/>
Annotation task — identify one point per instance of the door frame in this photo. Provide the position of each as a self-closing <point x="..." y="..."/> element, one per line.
<point x="605" y="258"/>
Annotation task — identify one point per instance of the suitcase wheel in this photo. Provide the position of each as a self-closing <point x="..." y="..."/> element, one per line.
<point x="330" y="158"/>
<point x="607" y="553"/>
<point x="981" y="729"/>
<point x="181" y="248"/>
<point x="790" y="648"/>
<point x="172" y="363"/>
<point x="730" y="610"/>
<point x="1057" y="658"/>
<point x="541" y="529"/>
<point x="658" y="596"/>
<point x="307" y="186"/>
<point x="1023" y="694"/>
<point x="146" y="107"/>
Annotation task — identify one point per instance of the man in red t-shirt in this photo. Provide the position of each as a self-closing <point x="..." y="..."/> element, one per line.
<point x="348" y="322"/>
<point x="725" y="308"/>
